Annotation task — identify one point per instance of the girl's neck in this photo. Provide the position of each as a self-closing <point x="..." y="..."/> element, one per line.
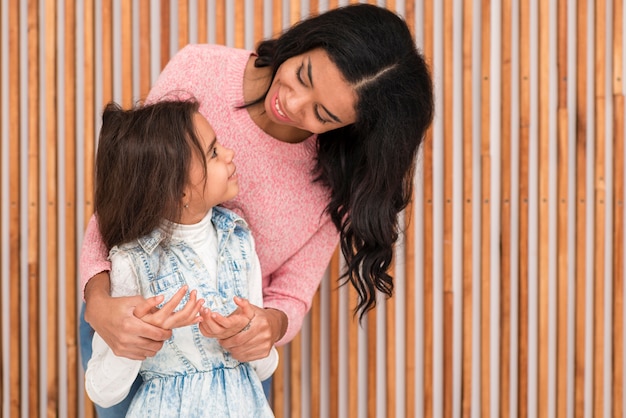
<point x="255" y="83"/>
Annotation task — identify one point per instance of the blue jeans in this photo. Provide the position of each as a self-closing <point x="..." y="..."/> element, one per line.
<point x="85" y="334"/>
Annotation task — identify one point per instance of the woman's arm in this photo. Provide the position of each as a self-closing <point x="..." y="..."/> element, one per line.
<point x="117" y="319"/>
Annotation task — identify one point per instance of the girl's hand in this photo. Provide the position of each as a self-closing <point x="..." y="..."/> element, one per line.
<point x="166" y="318"/>
<point x="221" y="327"/>
<point x="249" y="333"/>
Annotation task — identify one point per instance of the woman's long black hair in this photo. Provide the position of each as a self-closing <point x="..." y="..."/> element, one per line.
<point x="368" y="165"/>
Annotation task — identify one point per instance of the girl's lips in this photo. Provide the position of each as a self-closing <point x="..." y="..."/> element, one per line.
<point x="277" y="110"/>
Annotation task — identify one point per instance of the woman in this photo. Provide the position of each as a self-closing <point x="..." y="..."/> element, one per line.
<point x="326" y="121"/>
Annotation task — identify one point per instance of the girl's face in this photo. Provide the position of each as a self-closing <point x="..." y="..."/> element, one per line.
<point x="309" y="93"/>
<point x="220" y="184"/>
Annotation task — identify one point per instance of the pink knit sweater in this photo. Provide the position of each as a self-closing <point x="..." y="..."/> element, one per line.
<point x="284" y="208"/>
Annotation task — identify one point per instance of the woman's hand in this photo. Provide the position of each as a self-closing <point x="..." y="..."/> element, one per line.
<point x="166" y="318"/>
<point x="115" y="321"/>
<point x="249" y="333"/>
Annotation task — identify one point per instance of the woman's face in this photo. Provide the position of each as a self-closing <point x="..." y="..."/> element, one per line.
<point x="221" y="183"/>
<point x="309" y="93"/>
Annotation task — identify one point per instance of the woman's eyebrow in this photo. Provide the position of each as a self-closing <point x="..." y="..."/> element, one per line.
<point x="332" y="116"/>
<point x="310" y="74"/>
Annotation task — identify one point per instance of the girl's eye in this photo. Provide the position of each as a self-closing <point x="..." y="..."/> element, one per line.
<point x="214" y="152"/>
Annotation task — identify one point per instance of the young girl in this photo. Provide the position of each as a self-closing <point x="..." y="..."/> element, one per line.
<point x="160" y="174"/>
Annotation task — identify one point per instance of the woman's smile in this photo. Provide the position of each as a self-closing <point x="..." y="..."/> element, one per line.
<point x="278" y="110"/>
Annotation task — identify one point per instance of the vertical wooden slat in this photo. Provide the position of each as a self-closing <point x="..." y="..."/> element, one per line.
<point x="448" y="196"/>
<point x="89" y="107"/>
<point x="315" y="359"/>
<point x="220" y="22"/>
<point x="203" y="35"/>
<point x="295" y="377"/>
<point x="33" y="210"/>
<point x="410" y="273"/>
<point x="599" y="210"/>
<point x="68" y="282"/>
<point x="618" y="258"/>
<point x="3" y="304"/>
<point x="165" y="32"/>
<point x="183" y="23"/>
<point x="543" y="212"/>
<point x="428" y="267"/>
<point x="581" y="209"/>
<point x="126" y="29"/>
<point x="618" y="210"/>
<point x="333" y="326"/>
<point x="371" y="363"/>
<point x="353" y="349"/>
<point x="277" y="17"/>
<point x="107" y="52"/>
<point x="88" y="142"/>
<point x="14" y="76"/>
<point x="258" y="21"/>
<point x="468" y="245"/>
<point x="524" y="195"/>
<point x="505" y="211"/>
<point x="51" y="209"/>
<point x="278" y="384"/>
<point x="563" y="214"/>
<point x="390" y="343"/>
<point x="240" y="29"/>
<point x="485" y="191"/>
<point x="145" y="51"/>
<point x="294" y="11"/>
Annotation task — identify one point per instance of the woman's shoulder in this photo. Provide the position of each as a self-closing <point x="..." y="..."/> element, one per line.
<point x="202" y="52"/>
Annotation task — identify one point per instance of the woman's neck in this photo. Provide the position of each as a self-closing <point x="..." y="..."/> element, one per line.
<point x="255" y="83"/>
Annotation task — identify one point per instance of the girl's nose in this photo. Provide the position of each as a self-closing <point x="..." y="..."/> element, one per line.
<point x="229" y="154"/>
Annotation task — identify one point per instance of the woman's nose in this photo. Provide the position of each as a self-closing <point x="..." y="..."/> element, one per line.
<point x="297" y="100"/>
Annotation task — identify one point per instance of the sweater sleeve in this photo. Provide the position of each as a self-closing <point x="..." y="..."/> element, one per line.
<point x="93" y="254"/>
<point x="292" y="287"/>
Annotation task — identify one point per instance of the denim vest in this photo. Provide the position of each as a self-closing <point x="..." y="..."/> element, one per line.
<point x="163" y="266"/>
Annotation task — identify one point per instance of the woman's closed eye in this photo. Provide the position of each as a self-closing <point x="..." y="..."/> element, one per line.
<point x="318" y="116"/>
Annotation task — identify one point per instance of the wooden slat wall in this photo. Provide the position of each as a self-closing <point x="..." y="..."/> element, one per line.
<point x="510" y="273"/>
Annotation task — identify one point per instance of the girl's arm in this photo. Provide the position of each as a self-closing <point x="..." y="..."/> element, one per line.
<point x="114" y="318"/>
<point x="108" y="377"/>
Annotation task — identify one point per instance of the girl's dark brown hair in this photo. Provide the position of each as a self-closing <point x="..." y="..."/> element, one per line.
<point x="142" y="167"/>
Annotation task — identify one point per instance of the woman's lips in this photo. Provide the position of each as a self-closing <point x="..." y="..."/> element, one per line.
<point x="277" y="109"/>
